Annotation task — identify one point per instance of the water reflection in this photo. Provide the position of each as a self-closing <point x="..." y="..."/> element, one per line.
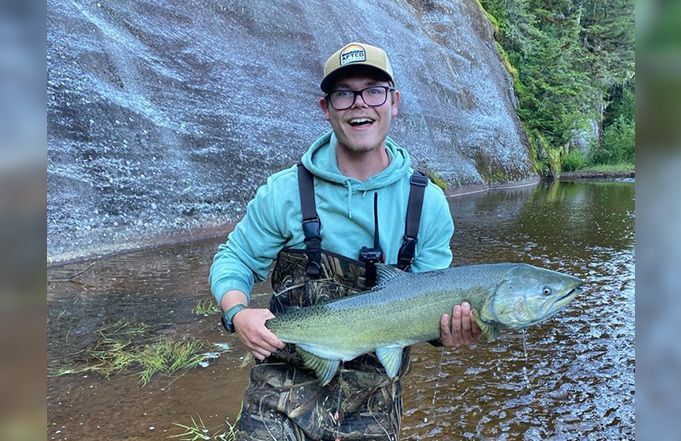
<point x="577" y="378"/>
<point x="575" y="381"/>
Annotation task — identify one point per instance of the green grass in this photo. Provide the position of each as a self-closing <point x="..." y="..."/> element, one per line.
<point x="609" y="168"/>
<point x="197" y="431"/>
<point x="207" y="307"/>
<point x="124" y="346"/>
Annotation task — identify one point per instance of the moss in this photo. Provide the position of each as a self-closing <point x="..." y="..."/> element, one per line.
<point x="506" y="60"/>
<point x="437" y="180"/>
<point x="496" y="176"/>
<point x="490" y="170"/>
<point x="500" y="176"/>
<point x="555" y="156"/>
<point x="492" y="19"/>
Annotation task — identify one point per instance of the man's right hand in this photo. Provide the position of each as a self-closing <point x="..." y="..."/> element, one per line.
<point x="249" y="325"/>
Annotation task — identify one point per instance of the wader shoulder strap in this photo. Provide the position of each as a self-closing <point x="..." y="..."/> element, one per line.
<point x="311" y="224"/>
<point x="417" y="187"/>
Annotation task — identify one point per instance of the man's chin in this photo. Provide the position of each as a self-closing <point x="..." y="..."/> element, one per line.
<point x="363" y="145"/>
<point x="360" y="148"/>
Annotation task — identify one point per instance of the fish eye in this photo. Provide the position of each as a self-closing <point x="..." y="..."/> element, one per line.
<point x="547" y="291"/>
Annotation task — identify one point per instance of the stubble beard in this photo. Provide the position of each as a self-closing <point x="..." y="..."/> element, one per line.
<point x="358" y="146"/>
<point x="353" y="147"/>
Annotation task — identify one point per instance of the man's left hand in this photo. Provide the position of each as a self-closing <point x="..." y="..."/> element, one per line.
<point x="461" y="329"/>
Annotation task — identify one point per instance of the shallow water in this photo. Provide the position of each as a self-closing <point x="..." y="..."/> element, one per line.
<point x="574" y="381"/>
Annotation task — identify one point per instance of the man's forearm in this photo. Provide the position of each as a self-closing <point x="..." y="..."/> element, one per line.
<point x="231" y="298"/>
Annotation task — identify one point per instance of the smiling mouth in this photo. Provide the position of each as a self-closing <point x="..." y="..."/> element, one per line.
<point x="360" y="122"/>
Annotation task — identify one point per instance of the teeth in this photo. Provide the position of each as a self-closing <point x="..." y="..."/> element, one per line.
<point x="360" y="120"/>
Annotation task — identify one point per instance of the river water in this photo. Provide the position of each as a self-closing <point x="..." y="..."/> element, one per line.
<point x="571" y="377"/>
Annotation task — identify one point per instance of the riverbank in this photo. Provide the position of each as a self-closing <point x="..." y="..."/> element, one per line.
<point x="97" y="251"/>
<point x="598" y="174"/>
<point x="207" y="231"/>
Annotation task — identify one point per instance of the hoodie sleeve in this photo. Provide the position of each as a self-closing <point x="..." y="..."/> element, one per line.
<point x="435" y="232"/>
<point x="250" y="249"/>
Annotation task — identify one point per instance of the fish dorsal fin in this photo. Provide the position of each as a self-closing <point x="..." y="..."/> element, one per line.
<point x="385" y="273"/>
<point x="391" y="359"/>
<point x="324" y="368"/>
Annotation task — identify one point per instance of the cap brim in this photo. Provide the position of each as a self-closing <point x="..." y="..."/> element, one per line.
<point x="331" y="78"/>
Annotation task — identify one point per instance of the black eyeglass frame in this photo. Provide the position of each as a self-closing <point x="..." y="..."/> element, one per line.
<point x="357" y="93"/>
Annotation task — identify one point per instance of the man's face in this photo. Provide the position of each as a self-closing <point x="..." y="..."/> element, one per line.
<point x="361" y="128"/>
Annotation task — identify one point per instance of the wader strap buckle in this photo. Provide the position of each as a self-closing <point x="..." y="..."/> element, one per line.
<point x="406" y="253"/>
<point x="418" y="183"/>
<point x="313" y="246"/>
<point x="311" y="224"/>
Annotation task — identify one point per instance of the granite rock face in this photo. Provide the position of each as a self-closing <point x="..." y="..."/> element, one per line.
<point x="165" y="116"/>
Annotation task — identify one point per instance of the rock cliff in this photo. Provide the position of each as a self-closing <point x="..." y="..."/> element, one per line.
<point x="164" y="117"/>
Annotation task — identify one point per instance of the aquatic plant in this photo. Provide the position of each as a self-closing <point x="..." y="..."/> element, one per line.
<point x="207" y="307"/>
<point x="123" y="346"/>
<point x="198" y="431"/>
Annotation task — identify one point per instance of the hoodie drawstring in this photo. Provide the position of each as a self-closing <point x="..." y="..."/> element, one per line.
<point x="347" y="183"/>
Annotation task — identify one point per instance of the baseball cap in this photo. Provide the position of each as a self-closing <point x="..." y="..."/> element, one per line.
<point x="353" y="55"/>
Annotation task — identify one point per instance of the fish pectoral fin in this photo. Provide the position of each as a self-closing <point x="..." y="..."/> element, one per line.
<point x="488" y="330"/>
<point x="324" y="368"/>
<point x="384" y="273"/>
<point x="391" y="359"/>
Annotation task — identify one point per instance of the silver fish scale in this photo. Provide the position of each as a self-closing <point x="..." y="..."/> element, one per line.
<point x="403" y="311"/>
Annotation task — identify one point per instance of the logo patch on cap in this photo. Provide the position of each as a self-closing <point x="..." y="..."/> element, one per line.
<point x="352" y="54"/>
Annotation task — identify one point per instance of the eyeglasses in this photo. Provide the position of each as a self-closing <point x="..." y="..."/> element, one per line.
<point x="373" y="96"/>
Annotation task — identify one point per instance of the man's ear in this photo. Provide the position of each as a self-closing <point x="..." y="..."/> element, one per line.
<point x="395" y="102"/>
<point x="324" y="105"/>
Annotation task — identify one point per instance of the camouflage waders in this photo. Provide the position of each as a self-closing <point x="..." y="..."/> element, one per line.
<point x="284" y="401"/>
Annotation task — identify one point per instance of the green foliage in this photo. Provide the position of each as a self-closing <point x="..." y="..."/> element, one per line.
<point x="197" y="430"/>
<point x="492" y="19"/>
<point x="555" y="157"/>
<point x="610" y="168"/>
<point x="436" y="179"/>
<point x="618" y="141"/>
<point x="622" y="103"/>
<point x="574" y="160"/>
<point x="124" y="345"/>
<point x="618" y="144"/>
<point x="567" y="58"/>
<point x="507" y="62"/>
<point x="207" y="307"/>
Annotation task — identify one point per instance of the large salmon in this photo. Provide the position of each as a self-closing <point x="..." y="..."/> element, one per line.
<point x="405" y="308"/>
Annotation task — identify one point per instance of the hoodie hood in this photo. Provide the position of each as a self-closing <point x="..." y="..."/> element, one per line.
<point x="321" y="160"/>
<point x="274" y="218"/>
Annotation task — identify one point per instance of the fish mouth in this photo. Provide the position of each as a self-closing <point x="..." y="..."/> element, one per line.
<point x="572" y="293"/>
<point x="550" y="309"/>
<point x="563" y="300"/>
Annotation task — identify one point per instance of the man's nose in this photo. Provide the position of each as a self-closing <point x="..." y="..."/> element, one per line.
<point x="358" y="97"/>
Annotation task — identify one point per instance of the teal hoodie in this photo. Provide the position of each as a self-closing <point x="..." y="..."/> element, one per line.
<point x="345" y="208"/>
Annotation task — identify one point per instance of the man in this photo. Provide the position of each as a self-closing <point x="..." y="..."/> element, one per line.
<point x="319" y="221"/>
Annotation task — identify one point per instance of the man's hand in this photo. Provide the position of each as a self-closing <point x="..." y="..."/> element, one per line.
<point x="461" y="329"/>
<point x="249" y="325"/>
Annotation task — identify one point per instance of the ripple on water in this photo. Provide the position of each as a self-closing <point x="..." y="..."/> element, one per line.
<point x="576" y="380"/>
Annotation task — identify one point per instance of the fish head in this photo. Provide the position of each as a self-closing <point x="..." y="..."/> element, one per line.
<point x="529" y="295"/>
